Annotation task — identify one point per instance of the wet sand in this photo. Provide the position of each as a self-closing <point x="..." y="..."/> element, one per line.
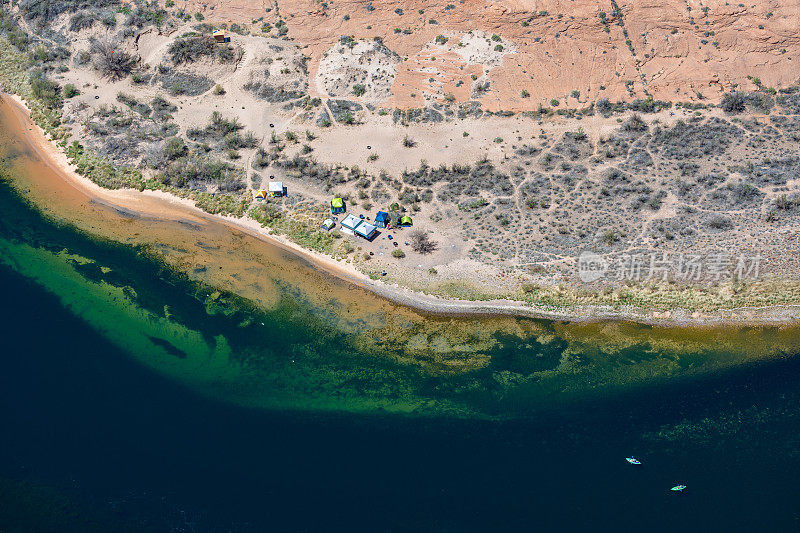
<point x="236" y="245"/>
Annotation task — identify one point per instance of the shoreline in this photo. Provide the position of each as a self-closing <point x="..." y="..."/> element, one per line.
<point x="52" y="155"/>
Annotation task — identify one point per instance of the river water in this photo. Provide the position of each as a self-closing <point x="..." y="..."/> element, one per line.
<point x="162" y="372"/>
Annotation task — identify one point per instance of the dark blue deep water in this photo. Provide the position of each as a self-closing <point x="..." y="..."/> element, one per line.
<point x="91" y="440"/>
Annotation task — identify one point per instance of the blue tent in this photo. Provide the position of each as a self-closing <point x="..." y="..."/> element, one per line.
<point x="382" y="219"/>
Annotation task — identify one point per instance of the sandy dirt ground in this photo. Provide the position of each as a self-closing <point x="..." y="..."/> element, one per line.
<point x="160" y="206"/>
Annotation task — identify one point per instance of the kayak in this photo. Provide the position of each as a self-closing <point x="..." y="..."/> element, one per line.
<point x="678" y="488"/>
<point x="633" y="460"/>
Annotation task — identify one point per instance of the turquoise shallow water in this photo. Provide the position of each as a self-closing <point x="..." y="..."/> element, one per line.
<point x="119" y="413"/>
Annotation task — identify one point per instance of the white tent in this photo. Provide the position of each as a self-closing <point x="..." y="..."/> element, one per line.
<point x="275" y="188"/>
<point x="365" y="230"/>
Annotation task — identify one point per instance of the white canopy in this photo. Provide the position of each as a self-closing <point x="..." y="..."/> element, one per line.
<point x="351" y="221"/>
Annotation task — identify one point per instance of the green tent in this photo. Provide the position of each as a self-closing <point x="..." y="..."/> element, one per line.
<point x="405" y="221"/>
<point x="394" y="207"/>
<point x="337" y="205"/>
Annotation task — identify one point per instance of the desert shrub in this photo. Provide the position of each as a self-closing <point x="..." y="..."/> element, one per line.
<point x="274" y="93"/>
<point x="82" y="20"/>
<point x="184" y="83"/>
<point x="19" y="39"/>
<point x="398" y="253"/>
<point x="133" y="104"/>
<point x="70" y="91"/>
<point x="265" y="213"/>
<point x="261" y="159"/>
<point x="15" y="35"/>
<point x="635" y="123"/>
<point x="110" y="60"/>
<point x="422" y="243"/>
<point x="45" y="90"/>
<point x="140" y="78"/>
<point x="743" y="192"/>
<point x="220" y="126"/>
<point x="162" y="108"/>
<point x="190" y="49"/>
<point x="174" y="147"/>
<point x="785" y="203"/>
<point x="83" y="57"/>
<point x="684" y="141"/>
<point x="719" y="222"/>
<point x="609" y="237"/>
<point x="733" y="102"/>
<point x="408" y="142"/>
<point x="359" y="89"/>
<point x="50" y="54"/>
<point x="235" y="140"/>
<point x="648" y="105"/>
<point x="197" y="169"/>
<point x="760" y="102"/>
<point x="47" y="10"/>
<point x="604" y="106"/>
<point x="147" y="13"/>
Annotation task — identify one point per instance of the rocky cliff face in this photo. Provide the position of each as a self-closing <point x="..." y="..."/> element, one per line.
<point x="519" y="54"/>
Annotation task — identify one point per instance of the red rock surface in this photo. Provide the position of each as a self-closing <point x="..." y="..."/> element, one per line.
<point x="667" y="58"/>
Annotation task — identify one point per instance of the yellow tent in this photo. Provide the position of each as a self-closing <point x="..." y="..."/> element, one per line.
<point x="261" y="194"/>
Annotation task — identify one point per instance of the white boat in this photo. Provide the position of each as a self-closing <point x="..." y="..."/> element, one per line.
<point x="633" y="460"/>
<point x="678" y="488"/>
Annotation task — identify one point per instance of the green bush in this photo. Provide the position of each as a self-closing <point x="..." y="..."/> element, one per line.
<point x="46" y="90"/>
<point x="174" y="147"/>
<point x="70" y="91"/>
